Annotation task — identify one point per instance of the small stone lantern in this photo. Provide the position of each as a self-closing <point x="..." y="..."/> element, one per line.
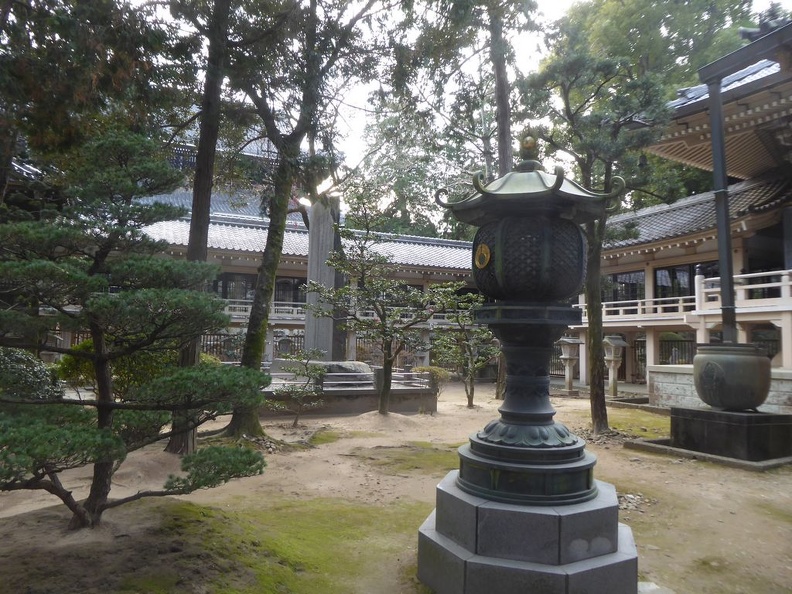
<point x="614" y="348"/>
<point x="523" y="513"/>
<point x="570" y="354"/>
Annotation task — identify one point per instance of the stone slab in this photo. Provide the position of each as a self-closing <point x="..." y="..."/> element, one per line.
<point x="589" y="529"/>
<point x="615" y="573"/>
<point x="662" y="446"/>
<point x="752" y="436"/>
<point x="355" y="401"/>
<point x="520" y="533"/>
<point x="457" y="512"/>
<point x="553" y="535"/>
<point x="441" y="562"/>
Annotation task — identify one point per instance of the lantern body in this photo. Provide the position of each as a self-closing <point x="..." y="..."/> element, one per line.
<point x="536" y="259"/>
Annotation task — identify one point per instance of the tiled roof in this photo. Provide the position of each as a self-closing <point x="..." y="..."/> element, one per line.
<point x="424" y="252"/>
<point x="690" y="95"/>
<point x="236" y="225"/>
<point x="226" y="234"/>
<point x="222" y="203"/>
<point x="697" y="213"/>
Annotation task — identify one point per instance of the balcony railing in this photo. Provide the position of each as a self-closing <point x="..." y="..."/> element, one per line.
<point x="239" y="311"/>
<point x="659" y="307"/>
<point x="757" y="291"/>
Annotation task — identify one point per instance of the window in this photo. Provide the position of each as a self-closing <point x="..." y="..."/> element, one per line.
<point x="624" y="286"/>
<point x="677" y="281"/>
<point x="236" y="286"/>
<point x="290" y="289"/>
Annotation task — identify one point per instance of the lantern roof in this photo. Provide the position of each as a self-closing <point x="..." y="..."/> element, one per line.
<point x="528" y="191"/>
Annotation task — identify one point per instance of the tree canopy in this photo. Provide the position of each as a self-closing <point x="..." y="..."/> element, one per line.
<point x="92" y="267"/>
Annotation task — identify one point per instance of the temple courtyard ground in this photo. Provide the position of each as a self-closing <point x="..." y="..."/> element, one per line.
<point x="341" y="515"/>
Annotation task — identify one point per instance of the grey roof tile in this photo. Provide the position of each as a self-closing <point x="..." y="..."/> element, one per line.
<point x="224" y="235"/>
<point x="428" y="253"/>
<point x="742" y="77"/>
<point x="244" y="234"/>
<point x="697" y="213"/>
<point x="248" y="233"/>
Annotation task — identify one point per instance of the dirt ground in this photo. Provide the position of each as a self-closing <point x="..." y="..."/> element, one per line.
<point x="699" y="527"/>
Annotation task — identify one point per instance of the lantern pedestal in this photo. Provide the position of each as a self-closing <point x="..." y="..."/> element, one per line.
<point x="525" y="456"/>
<point x="470" y="544"/>
<point x="523" y="513"/>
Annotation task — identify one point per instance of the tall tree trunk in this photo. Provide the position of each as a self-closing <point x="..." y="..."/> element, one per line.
<point x="104" y="467"/>
<point x="8" y="139"/>
<point x="388" y="358"/>
<point x="245" y="419"/>
<point x="502" y="105"/>
<point x="500" y="380"/>
<point x="183" y="439"/>
<point x="470" y="389"/>
<point x="599" y="411"/>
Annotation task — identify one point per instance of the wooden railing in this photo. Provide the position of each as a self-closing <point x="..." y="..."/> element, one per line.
<point x="769" y="290"/>
<point x="352" y="381"/>
<point x="239" y="311"/>
<point x="757" y="289"/>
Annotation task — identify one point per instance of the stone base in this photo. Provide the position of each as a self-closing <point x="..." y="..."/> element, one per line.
<point x="471" y="545"/>
<point x="752" y="436"/>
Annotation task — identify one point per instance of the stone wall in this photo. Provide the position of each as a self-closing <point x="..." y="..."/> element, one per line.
<point x="672" y="385"/>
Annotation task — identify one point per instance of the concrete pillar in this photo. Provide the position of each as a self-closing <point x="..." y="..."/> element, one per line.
<point x="649" y="283"/>
<point x="584" y="359"/>
<point x="743" y="333"/>
<point x="652" y="347"/>
<point x="786" y="339"/>
<point x="629" y="363"/>
<point x="351" y="346"/>
<point x="787" y="223"/>
<point x="322" y="333"/>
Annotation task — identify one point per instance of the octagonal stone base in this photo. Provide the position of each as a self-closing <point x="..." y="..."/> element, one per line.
<point x="470" y="545"/>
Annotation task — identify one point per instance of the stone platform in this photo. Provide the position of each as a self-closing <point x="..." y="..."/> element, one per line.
<point x="752" y="436"/>
<point x="471" y="545"/>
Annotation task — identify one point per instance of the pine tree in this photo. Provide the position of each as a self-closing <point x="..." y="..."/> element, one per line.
<point x="92" y="268"/>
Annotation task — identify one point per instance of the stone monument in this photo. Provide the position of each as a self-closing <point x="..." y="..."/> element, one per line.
<point x="524" y="513"/>
<point x="323" y="333"/>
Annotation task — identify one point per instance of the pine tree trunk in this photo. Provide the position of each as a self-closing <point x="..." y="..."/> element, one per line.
<point x="502" y="105"/>
<point x="599" y="411"/>
<point x="103" y="468"/>
<point x="470" y="390"/>
<point x="183" y="441"/>
<point x="387" y="381"/>
<point x="245" y="419"/>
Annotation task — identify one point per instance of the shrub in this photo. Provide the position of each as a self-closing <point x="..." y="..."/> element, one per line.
<point x="438" y="376"/>
<point x="23" y="376"/>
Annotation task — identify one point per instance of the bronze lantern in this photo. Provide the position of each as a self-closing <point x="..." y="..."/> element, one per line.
<point x="529" y="260"/>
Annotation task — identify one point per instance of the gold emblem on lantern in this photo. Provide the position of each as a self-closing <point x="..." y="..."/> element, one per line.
<point x="482" y="257"/>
